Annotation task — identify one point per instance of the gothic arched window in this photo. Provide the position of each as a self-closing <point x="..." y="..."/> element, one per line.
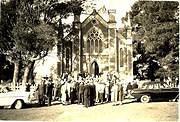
<point x="94" y="41"/>
<point x="121" y="57"/>
<point x="100" y="46"/>
<point x="91" y="45"/>
<point x="125" y="56"/>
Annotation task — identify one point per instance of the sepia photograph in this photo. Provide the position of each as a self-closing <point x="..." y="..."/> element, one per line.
<point x="89" y="60"/>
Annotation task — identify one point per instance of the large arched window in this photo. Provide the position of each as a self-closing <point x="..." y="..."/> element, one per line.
<point x="125" y="56"/>
<point x="100" y="46"/>
<point x="94" y="41"/>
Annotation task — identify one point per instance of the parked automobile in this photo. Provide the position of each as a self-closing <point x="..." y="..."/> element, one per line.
<point x="155" y="91"/>
<point x="14" y="99"/>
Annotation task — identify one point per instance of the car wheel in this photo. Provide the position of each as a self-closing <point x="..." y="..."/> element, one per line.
<point x="18" y="104"/>
<point x="145" y="98"/>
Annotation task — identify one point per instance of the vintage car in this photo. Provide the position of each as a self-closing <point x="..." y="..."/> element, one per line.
<point x="151" y="91"/>
<point x="14" y="99"/>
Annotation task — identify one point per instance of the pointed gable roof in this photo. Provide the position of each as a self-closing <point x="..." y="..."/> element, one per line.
<point x="92" y="16"/>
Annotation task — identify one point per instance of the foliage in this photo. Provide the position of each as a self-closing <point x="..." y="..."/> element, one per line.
<point x="156" y="35"/>
<point x="7" y="21"/>
<point x="6" y="69"/>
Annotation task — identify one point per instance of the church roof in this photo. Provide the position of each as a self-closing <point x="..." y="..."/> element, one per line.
<point x="94" y="15"/>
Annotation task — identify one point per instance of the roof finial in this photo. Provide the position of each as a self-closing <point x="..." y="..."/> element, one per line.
<point x="129" y="21"/>
<point x="102" y="10"/>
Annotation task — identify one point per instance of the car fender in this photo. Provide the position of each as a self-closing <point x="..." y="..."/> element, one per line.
<point x="8" y="99"/>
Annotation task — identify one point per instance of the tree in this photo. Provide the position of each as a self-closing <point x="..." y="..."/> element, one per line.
<point x="31" y="39"/>
<point x="156" y="32"/>
<point x="8" y="19"/>
<point x="30" y="30"/>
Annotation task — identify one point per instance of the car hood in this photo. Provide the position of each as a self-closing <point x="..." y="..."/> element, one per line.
<point x="15" y="93"/>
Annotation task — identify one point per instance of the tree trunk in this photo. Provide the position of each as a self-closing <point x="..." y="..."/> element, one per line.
<point x="26" y="73"/>
<point x="60" y="43"/>
<point x="31" y="72"/>
<point x="16" y="74"/>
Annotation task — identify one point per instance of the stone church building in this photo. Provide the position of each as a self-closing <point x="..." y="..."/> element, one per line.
<point x="96" y="46"/>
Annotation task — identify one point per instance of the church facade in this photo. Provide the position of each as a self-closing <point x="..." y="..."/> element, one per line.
<point x="95" y="46"/>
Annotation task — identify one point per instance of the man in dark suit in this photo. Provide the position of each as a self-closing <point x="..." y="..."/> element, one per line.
<point x="121" y="93"/>
<point x="92" y="93"/>
<point x="49" y="88"/>
<point x="87" y="95"/>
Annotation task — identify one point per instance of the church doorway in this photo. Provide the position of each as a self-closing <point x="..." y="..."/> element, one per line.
<point x="94" y="68"/>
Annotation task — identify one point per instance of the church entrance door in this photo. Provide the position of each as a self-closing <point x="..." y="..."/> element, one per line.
<point x="94" y="68"/>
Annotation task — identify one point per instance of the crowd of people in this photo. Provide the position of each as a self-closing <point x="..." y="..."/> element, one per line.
<point x="41" y="91"/>
<point x="86" y="90"/>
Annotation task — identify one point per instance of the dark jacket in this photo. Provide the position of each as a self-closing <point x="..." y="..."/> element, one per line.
<point x="86" y="91"/>
<point x="81" y="88"/>
<point x="49" y="89"/>
<point x="41" y="89"/>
